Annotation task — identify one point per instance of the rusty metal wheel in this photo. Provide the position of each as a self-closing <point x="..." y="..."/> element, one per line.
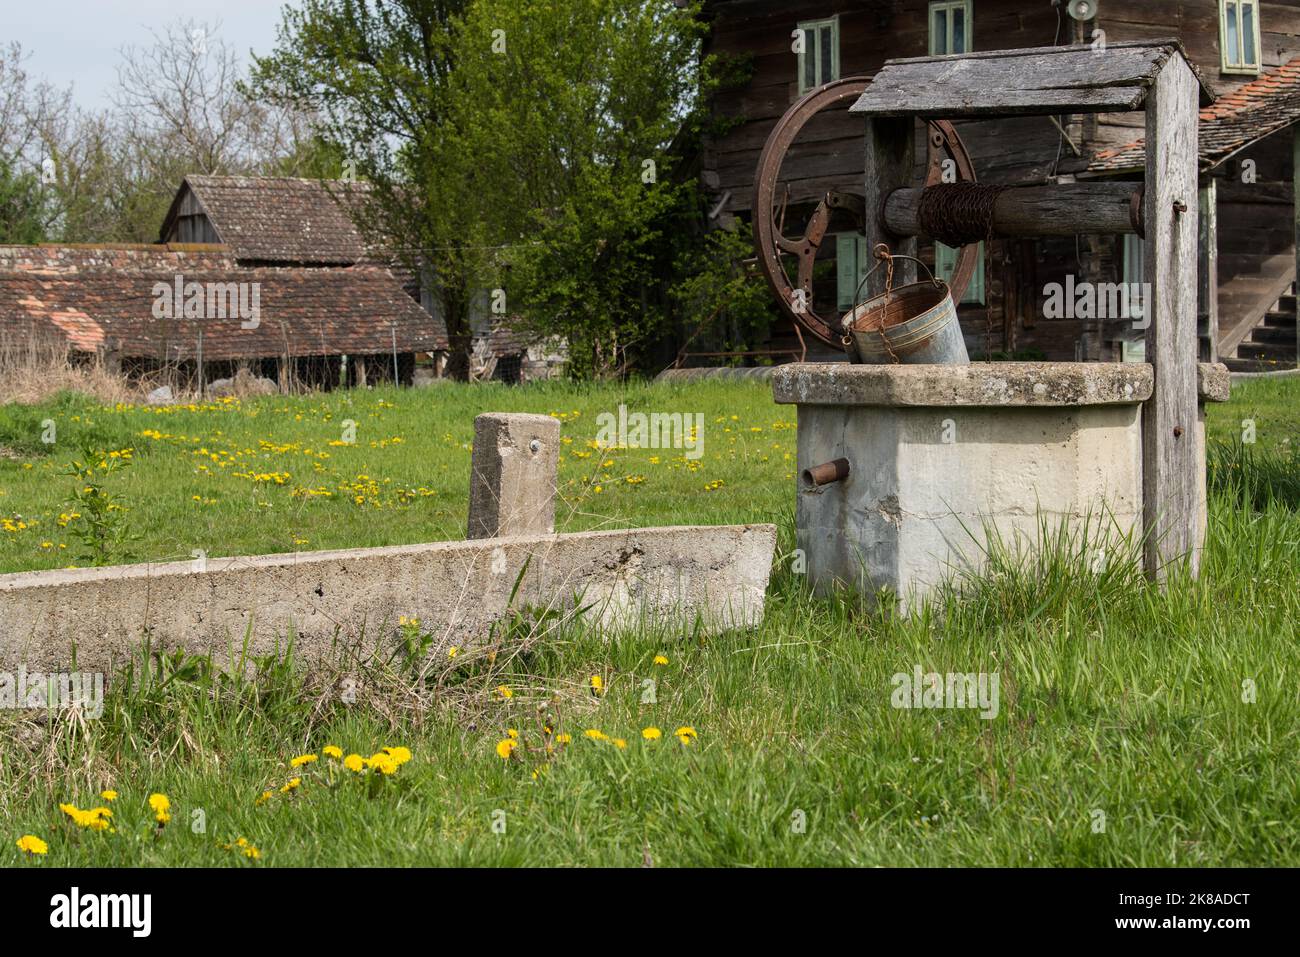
<point x="796" y="298"/>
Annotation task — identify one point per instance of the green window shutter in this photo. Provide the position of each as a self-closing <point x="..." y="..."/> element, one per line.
<point x="1133" y="259"/>
<point x="846" y="269"/>
<point x="945" y="261"/>
<point x="862" y="265"/>
<point x="808" y="61"/>
<point x="945" y="264"/>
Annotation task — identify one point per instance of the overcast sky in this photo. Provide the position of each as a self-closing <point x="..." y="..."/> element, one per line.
<point x="77" y="41"/>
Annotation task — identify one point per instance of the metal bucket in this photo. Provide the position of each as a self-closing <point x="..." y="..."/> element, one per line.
<point x="916" y="323"/>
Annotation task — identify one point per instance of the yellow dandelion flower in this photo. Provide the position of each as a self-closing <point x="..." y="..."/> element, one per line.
<point x="302" y="759"/>
<point x="333" y="751"/>
<point x="651" y="734"/>
<point x="597" y="684"/>
<point x="453" y="651"/>
<point x="505" y="692"/>
<point x="31" y="844"/>
<point x="399" y="755"/>
<point x="505" y="747"/>
<point x="383" y="763"/>
<point x="685" y="735"/>
<point x="620" y="743"/>
<point x="661" y="659"/>
<point x="563" y="738"/>
<point x="512" y="734"/>
<point x="97" y="819"/>
<point x="161" y="807"/>
<point x="291" y="785"/>
<point x="355" y="762"/>
<point x="262" y="799"/>
<point x="108" y="795"/>
<point x="596" y="734"/>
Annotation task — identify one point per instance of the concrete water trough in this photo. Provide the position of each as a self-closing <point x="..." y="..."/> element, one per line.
<point x="700" y="579"/>
<point x="938" y="458"/>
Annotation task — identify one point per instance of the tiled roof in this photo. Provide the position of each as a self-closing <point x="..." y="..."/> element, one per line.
<point x="268" y="220"/>
<point x="94" y="296"/>
<point x="1238" y="118"/>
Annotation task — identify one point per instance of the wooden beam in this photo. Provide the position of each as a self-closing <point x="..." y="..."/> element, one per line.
<point x="889" y="150"/>
<point x="1065" y="210"/>
<point x="1171" y="461"/>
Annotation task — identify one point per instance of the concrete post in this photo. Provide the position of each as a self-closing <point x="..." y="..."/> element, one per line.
<point x="513" y="473"/>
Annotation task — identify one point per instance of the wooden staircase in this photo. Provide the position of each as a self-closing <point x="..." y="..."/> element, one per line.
<point x="1257" y="311"/>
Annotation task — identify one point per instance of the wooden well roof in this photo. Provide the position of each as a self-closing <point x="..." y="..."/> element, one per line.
<point x="1034" y="81"/>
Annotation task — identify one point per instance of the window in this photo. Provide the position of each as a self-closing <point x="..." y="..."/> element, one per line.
<point x="950" y="27"/>
<point x="945" y="263"/>
<point x="1239" y="35"/>
<point x="1134" y="264"/>
<point x="850" y="268"/>
<point x="819" y="60"/>
<point x="1134" y="350"/>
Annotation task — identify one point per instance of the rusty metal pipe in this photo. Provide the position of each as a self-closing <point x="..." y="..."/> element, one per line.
<point x="826" y="474"/>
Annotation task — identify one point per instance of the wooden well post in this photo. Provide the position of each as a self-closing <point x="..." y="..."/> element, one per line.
<point x="1170" y="458"/>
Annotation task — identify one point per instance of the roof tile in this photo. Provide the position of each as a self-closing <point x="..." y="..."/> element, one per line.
<point x="1238" y="118"/>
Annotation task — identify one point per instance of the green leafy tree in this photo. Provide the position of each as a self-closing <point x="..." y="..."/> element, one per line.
<point x="375" y="76"/>
<point x="565" y="117"/>
<point x="22" y="206"/>
<point x="722" y="302"/>
<point x="520" y="145"/>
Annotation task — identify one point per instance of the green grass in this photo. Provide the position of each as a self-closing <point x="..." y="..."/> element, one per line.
<point x="192" y="480"/>
<point x="1116" y="697"/>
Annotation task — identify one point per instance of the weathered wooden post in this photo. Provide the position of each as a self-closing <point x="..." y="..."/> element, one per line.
<point x="889" y="146"/>
<point x="513" y="471"/>
<point x="1170" y="458"/>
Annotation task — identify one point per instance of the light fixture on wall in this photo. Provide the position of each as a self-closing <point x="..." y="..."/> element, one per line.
<point x="1082" y="10"/>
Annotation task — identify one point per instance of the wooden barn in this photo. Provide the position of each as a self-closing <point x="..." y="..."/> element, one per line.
<point x="267" y="276"/>
<point x="195" y="308"/>
<point x="1248" y="56"/>
<point x="283" y="222"/>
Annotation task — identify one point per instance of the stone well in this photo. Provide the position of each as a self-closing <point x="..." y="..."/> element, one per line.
<point x="938" y="455"/>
